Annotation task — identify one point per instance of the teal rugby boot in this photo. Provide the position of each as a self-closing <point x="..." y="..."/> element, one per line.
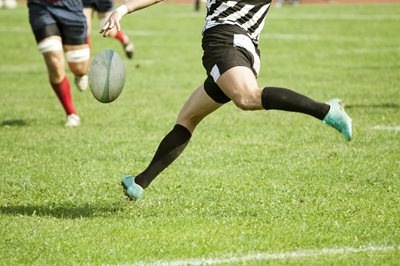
<point x="338" y="118"/>
<point x="132" y="190"/>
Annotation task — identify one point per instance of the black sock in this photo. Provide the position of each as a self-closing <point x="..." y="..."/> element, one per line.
<point x="287" y="100"/>
<point x="169" y="149"/>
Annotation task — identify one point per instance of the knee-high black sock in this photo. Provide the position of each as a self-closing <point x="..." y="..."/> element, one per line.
<point x="169" y="149"/>
<point x="287" y="100"/>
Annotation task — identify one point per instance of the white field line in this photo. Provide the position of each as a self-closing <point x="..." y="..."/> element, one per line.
<point x="269" y="256"/>
<point x="387" y="128"/>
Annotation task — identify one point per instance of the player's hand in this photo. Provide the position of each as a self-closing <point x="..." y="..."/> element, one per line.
<point x="112" y="22"/>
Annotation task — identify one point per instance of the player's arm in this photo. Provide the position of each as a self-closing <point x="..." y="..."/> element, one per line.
<point x="129" y="7"/>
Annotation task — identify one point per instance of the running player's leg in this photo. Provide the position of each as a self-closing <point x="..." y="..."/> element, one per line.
<point x="78" y="57"/>
<point x="74" y="35"/>
<point x="51" y="49"/>
<point x="198" y="106"/>
<point x="56" y="70"/>
<point x="104" y="10"/>
<point x="240" y="85"/>
<point x="48" y="38"/>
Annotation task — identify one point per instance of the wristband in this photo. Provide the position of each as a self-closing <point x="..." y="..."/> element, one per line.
<point x="122" y="10"/>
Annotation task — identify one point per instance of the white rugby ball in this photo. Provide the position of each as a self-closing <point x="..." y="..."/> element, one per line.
<point x="106" y="76"/>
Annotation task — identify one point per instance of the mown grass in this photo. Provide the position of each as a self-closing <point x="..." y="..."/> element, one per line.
<point x="249" y="182"/>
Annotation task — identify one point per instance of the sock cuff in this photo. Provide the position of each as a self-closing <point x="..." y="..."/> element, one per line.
<point x="264" y="97"/>
<point x="65" y="79"/>
<point x="183" y="131"/>
<point x="121" y="37"/>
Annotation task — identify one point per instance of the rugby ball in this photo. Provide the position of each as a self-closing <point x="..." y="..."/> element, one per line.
<point x="106" y="76"/>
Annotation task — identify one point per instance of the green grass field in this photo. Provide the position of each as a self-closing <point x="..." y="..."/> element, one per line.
<point x="252" y="188"/>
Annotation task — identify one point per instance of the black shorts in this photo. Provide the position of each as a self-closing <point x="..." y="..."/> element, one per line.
<point x="225" y="47"/>
<point x="61" y="18"/>
<point x="101" y="6"/>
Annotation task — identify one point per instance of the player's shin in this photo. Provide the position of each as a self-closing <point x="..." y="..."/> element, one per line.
<point x="169" y="149"/>
<point x="63" y="92"/>
<point x="288" y="100"/>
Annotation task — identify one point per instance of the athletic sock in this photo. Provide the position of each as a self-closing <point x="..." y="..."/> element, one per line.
<point x="287" y="100"/>
<point x="169" y="149"/>
<point x="63" y="92"/>
<point x="122" y="37"/>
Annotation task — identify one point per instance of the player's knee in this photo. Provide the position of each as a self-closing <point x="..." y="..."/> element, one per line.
<point x="54" y="61"/>
<point x="55" y="66"/>
<point x="242" y="104"/>
<point x="78" y="61"/>
<point x="248" y="101"/>
<point x="79" y="69"/>
<point x="49" y="45"/>
<point x="56" y="73"/>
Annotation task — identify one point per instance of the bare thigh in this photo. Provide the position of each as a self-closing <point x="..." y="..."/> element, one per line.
<point x="198" y="106"/>
<point x="240" y="85"/>
<point x="54" y="62"/>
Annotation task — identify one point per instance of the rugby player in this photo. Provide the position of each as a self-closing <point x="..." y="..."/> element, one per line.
<point x="60" y="26"/>
<point x="231" y="59"/>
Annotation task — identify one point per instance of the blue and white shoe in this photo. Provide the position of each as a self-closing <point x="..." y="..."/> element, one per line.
<point x="132" y="190"/>
<point x="338" y="118"/>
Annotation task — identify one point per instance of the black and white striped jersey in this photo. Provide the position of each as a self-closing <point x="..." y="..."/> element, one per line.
<point x="247" y="14"/>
